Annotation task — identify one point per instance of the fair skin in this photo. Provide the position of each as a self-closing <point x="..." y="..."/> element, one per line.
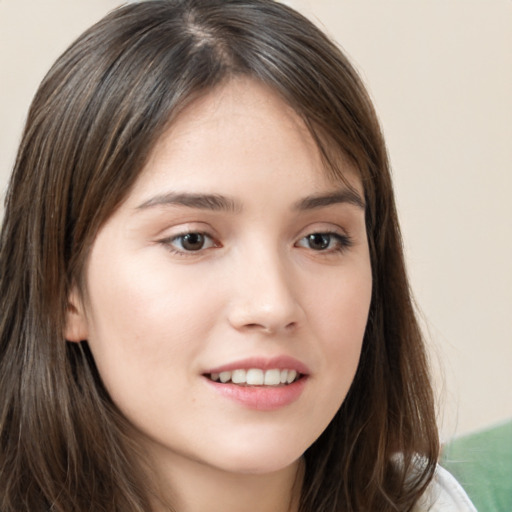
<point x="233" y="251"/>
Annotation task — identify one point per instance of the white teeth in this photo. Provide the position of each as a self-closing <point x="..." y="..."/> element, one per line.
<point x="291" y="376"/>
<point x="272" y="378"/>
<point x="256" y="377"/>
<point x="239" y="377"/>
<point x="224" y="377"/>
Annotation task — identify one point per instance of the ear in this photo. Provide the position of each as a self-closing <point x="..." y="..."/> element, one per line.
<point x="75" y="329"/>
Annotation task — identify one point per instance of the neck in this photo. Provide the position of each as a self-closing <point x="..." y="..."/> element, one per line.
<point x="190" y="486"/>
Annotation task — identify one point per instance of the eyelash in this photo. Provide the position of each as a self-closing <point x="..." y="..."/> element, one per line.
<point x="343" y="242"/>
<point x="184" y="252"/>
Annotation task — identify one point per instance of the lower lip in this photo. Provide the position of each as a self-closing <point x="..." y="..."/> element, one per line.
<point x="261" y="398"/>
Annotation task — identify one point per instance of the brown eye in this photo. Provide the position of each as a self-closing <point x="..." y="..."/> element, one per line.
<point x="319" y="241"/>
<point x="193" y="241"/>
<point x="325" y="242"/>
<point x="190" y="242"/>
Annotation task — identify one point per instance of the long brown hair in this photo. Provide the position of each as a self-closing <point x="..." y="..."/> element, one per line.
<point x="95" y="118"/>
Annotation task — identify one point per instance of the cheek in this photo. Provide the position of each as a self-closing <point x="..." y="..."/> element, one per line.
<point x="143" y="320"/>
<point x="341" y="313"/>
<point x="341" y="306"/>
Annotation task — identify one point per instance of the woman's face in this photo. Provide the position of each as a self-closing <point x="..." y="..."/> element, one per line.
<point x="234" y="266"/>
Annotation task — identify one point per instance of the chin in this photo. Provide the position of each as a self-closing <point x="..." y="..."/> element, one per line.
<point x="259" y="459"/>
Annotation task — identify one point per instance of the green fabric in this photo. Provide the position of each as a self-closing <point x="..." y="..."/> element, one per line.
<point x="482" y="463"/>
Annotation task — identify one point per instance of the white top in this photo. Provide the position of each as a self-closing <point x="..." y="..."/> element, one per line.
<point x="444" y="494"/>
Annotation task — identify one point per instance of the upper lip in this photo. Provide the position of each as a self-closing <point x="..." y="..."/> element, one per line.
<point x="263" y="363"/>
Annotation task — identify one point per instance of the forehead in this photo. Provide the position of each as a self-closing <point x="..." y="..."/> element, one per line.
<point x="242" y="132"/>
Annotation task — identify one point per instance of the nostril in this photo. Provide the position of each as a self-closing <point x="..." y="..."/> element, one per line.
<point x="260" y="327"/>
<point x="268" y="329"/>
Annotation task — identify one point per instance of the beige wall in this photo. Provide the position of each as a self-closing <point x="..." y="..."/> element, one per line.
<point x="440" y="72"/>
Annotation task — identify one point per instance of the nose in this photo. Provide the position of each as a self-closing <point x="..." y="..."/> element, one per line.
<point x="265" y="296"/>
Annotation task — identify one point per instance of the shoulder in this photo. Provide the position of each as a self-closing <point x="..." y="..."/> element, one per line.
<point x="444" y="494"/>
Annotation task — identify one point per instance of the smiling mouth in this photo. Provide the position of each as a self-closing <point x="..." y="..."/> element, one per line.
<point x="256" y="377"/>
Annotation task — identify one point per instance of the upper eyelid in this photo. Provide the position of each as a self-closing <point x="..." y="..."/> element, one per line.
<point x="323" y="227"/>
<point x="330" y="229"/>
<point x="184" y="228"/>
<point x="206" y="229"/>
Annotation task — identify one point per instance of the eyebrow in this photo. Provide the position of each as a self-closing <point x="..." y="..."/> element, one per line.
<point x="320" y="201"/>
<point x="214" y="202"/>
<point x="217" y="202"/>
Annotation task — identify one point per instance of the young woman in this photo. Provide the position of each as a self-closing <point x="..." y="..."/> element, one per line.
<point x="203" y="295"/>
